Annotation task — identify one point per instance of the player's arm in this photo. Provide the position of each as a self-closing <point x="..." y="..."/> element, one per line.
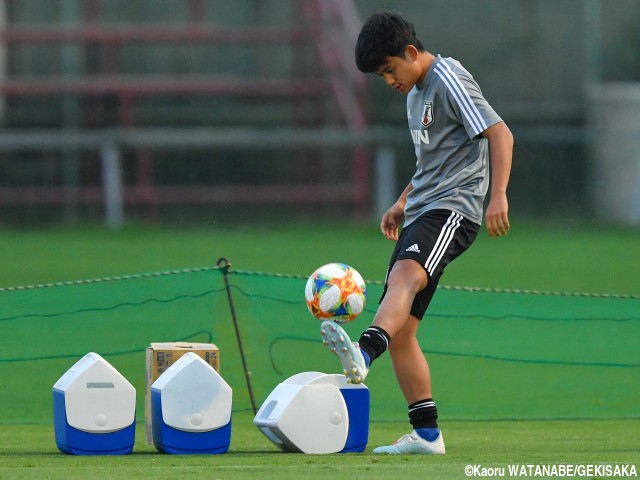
<point x="501" y="151"/>
<point x="394" y="217"/>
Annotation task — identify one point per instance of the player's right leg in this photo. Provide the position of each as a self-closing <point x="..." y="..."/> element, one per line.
<point x="405" y="279"/>
<point x="354" y="364"/>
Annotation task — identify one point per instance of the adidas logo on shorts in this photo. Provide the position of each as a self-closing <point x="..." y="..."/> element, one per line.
<point x="413" y="248"/>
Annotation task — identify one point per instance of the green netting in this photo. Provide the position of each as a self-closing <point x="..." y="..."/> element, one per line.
<point x="493" y="354"/>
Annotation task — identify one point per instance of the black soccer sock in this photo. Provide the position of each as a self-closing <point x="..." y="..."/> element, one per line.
<point x="423" y="414"/>
<point x="374" y="341"/>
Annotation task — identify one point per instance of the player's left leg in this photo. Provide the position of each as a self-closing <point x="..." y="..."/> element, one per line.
<point x="409" y="363"/>
<point x="414" y="378"/>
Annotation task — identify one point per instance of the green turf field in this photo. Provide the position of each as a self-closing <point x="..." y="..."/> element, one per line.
<point x="530" y="257"/>
<point x="26" y="452"/>
<point x="579" y="259"/>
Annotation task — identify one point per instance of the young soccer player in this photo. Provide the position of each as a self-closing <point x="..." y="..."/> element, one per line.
<point x="456" y="135"/>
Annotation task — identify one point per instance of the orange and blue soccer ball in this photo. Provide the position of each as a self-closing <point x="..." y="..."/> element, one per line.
<point x="335" y="292"/>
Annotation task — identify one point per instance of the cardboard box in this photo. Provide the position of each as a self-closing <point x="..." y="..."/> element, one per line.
<point x="161" y="356"/>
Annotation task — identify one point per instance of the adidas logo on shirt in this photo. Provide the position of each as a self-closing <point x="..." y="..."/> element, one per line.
<point x="413" y="248"/>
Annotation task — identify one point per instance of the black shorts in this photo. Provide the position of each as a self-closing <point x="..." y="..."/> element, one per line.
<point x="434" y="240"/>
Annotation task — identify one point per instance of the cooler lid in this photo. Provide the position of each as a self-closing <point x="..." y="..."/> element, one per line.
<point x="97" y="397"/>
<point x="194" y="396"/>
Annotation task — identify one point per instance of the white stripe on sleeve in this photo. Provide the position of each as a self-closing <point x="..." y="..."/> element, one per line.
<point x="462" y="97"/>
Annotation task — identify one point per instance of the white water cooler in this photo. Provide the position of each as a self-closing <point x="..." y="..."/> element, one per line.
<point x="191" y="409"/>
<point x="94" y="409"/>
<point x="314" y="412"/>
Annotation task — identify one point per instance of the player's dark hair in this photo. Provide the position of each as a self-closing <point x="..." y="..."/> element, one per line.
<point x="384" y="34"/>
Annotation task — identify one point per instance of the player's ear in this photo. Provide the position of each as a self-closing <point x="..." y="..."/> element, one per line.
<point x="411" y="53"/>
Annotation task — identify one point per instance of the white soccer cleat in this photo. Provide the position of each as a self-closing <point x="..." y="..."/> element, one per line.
<point x="338" y="342"/>
<point x="414" y="444"/>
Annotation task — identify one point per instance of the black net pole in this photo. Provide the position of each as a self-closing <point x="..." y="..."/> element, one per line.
<point x="224" y="265"/>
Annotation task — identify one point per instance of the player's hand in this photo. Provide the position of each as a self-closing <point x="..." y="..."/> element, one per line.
<point x="497" y="216"/>
<point x="391" y="222"/>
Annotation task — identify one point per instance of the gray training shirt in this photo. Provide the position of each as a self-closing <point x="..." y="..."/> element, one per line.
<point x="447" y="114"/>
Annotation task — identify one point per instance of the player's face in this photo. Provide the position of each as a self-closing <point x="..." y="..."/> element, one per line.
<point x="400" y="73"/>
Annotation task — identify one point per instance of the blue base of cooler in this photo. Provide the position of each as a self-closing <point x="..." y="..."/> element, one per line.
<point x="171" y="440"/>
<point x="357" y="401"/>
<point x="77" y="442"/>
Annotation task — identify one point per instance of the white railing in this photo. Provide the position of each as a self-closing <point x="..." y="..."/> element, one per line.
<point x="115" y="195"/>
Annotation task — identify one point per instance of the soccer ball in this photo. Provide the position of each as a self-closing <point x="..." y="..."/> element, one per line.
<point x="335" y="291"/>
